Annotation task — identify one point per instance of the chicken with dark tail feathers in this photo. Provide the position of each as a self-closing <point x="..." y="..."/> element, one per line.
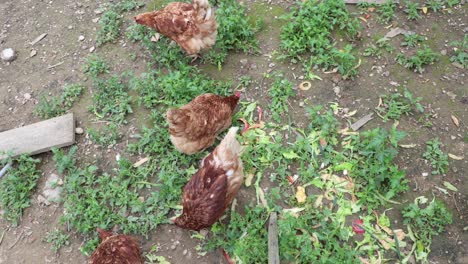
<point x="116" y="249"/>
<point x="192" y="25"/>
<point x="213" y="187"/>
<point x="194" y="126"/>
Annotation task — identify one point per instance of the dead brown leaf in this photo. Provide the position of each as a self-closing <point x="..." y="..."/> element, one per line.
<point x="301" y="195"/>
<point x="455" y="121"/>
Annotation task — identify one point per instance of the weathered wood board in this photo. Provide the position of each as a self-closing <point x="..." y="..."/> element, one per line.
<point x="39" y="137"/>
<point x="273" y="249"/>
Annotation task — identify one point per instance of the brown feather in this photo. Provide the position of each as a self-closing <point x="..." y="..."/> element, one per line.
<point x="213" y="187"/>
<point x="194" y="126"/>
<point x="192" y="25"/>
<point x="116" y="249"/>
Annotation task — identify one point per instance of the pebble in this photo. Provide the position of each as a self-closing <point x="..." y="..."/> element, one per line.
<point x="79" y="130"/>
<point x="70" y="27"/>
<point x="33" y="53"/>
<point x="27" y="96"/>
<point x="443" y="52"/>
<point x="95" y="20"/>
<point x="52" y="189"/>
<point x="91" y="50"/>
<point x="271" y="65"/>
<point x="244" y="62"/>
<point x="425" y="174"/>
<point x="8" y="55"/>
<point x="185" y="252"/>
<point x="81" y="38"/>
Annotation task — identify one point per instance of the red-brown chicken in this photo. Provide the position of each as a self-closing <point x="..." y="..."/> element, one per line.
<point x="213" y="187"/>
<point x="116" y="249"/>
<point x="194" y="126"/>
<point x="192" y="25"/>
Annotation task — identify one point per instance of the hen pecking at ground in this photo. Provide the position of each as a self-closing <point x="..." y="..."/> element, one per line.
<point x="213" y="187"/>
<point x="194" y="126"/>
<point x="192" y="25"/>
<point x="116" y="249"/>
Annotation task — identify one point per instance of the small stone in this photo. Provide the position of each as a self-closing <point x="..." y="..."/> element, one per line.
<point x="98" y="11"/>
<point x="33" y="53"/>
<point x="91" y="50"/>
<point x="443" y="52"/>
<point x="8" y="55"/>
<point x="79" y="130"/>
<point x="244" y="62"/>
<point x="271" y="65"/>
<point x="42" y="200"/>
<point x="386" y="73"/>
<point x="185" y="252"/>
<point x="81" y="38"/>
<point x="70" y="27"/>
<point x="52" y="190"/>
<point x="27" y="96"/>
<point x="425" y="174"/>
<point x="95" y="20"/>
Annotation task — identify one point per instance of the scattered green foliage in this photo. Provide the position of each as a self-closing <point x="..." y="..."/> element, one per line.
<point x="95" y="66"/>
<point x="452" y="3"/>
<point x="412" y="10"/>
<point x="377" y="49"/>
<point x="108" y="136"/>
<point x="435" y="5"/>
<point x="439" y="160"/>
<point x="17" y="186"/>
<point x="111" y="21"/>
<point x="417" y="62"/>
<point x="235" y="33"/>
<point x="412" y="40"/>
<point x="245" y="236"/>
<point x="111" y="100"/>
<point x="309" y="29"/>
<point x="175" y="87"/>
<point x="396" y="104"/>
<point x="387" y="11"/>
<point x="424" y="223"/>
<point x="58" y="239"/>
<point x="281" y="89"/>
<point x="58" y="105"/>
<point x="461" y="52"/>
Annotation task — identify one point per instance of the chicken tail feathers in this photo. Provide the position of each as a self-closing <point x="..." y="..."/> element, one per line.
<point x="229" y="149"/>
<point x="177" y="119"/>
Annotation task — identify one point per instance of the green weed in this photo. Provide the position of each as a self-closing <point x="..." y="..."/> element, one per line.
<point x="377" y="49"/>
<point x="396" y="104"/>
<point x="108" y="136"/>
<point x="58" y="105"/>
<point x="452" y="3"/>
<point x="461" y="52"/>
<point x="235" y="33"/>
<point x="439" y="160"/>
<point x="111" y="100"/>
<point x="111" y="21"/>
<point x="95" y="66"/>
<point x="17" y="187"/>
<point x="424" y="223"/>
<point x="417" y="62"/>
<point x="281" y="89"/>
<point x="387" y="11"/>
<point x="58" y="239"/>
<point x="435" y="5"/>
<point x="309" y="29"/>
<point x="412" y="40"/>
<point x="412" y="10"/>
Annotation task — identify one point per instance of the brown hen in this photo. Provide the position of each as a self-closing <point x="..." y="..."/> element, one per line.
<point x="116" y="249"/>
<point x="194" y="126"/>
<point x="192" y="25"/>
<point x="213" y="187"/>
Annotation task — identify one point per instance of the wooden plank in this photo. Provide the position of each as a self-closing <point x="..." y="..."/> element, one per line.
<point x="39" y="137"/>
<point x="362" y="121"/>
<point x="273" y="249"/>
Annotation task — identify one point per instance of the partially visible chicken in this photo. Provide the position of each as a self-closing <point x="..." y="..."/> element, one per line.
<point x="194" y="126"/>
<point x="213" y="187"/>
<point x="116" y="249"/>
<point x="192" y="25"/>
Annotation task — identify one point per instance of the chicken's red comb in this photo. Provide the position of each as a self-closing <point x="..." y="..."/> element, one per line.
<point x="238" y="94"/>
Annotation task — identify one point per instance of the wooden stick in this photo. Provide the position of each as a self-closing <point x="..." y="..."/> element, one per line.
<point x="273" y="250"/>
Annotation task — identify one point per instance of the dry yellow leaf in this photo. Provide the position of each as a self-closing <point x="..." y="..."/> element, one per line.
<point x="424" y="9"/>
<point x="248" y="179"/>
<point x="455" y="157"/>
<point x="455" y="121"/>
<point x="294" y="211"/>
<point x="300" y="194"/>
<point x="261" y="195"/>
<point x="350" y="114"/>
<point x="318" y="202"/>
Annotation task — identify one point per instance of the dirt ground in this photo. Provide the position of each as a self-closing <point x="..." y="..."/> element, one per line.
<point x="60" y="56"/>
